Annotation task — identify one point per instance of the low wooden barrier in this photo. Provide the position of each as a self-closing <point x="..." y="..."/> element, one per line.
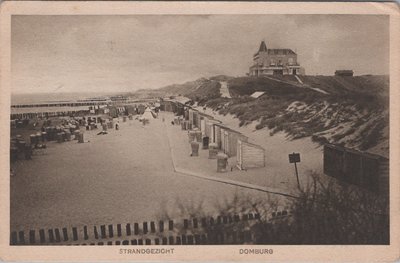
<point x="207" y="230"/>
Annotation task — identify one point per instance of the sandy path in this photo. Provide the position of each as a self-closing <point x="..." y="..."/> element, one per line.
<point x="224" y="90"/>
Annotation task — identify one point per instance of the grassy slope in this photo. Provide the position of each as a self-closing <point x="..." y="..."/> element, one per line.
<point x="354" y="113"/>
<point x="198" y="90"/>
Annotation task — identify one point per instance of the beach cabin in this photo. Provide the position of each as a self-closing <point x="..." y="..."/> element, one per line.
<point x="141" y="109"/>
<point x="249" y="155"/>
<point x="366" y="170"/>
<point x="207" y="126"/>
<point x="227" y="139"/>
<point x="196" y="119"/>
<point x="131" y="109"/>
<point x="191" y="117"/>
<point x="112" y="111"/>
<point x="211" y="129"/>
<point x="175" y="105"/>
<point x="186" y="114"/>
<point x="167" y="105"/>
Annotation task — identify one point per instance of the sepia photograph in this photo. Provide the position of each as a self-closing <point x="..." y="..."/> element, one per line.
<point x="199" y="129"/>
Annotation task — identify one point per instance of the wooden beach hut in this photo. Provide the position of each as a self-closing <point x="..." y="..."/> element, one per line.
<point x="370" y="171"/>
<point x="249" y="155"/>
<point x="228" y="139"/>
<point x="211" y="129"/>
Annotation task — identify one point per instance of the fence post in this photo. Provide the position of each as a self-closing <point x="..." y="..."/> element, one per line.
<point x="74" y="234"/>
<point x="136" y="228"/>
<point x="57" y="233"/>
<point x="96" y="234"/>
<point x="110" y="231"/>
<point x="51" y="235"/>
<point x="119" y="230"/>
<point x="145" y="228"/>
<point x="65" y="234"/>
<point x="21" y="236"/>
<point x="32" y="237"/>
<point x="85" y="233"/>
<point x="128" y="229"/>
<point x="14" y="238"/>
<point x="171" y="240"/>
<point x="42" y="236"/>
<point x="103" y="231"/>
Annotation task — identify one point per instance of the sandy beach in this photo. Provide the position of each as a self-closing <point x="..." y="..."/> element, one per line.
<point x="124" y="176"/>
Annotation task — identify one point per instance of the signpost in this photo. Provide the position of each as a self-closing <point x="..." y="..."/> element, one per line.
<point x="295" y="158"/>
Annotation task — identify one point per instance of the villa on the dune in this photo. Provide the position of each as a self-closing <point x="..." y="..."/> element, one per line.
<point x="275" y="62"/>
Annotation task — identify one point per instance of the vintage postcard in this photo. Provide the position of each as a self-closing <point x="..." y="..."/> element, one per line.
<point x="199" y="131"/>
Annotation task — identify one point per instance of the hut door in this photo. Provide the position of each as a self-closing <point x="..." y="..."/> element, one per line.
<point x="226" y="142"/>
<point x="222" y="140"/>
<point x="203" y="126"/>
<point x="212" y="133"/>
<point x="239" y="154"/>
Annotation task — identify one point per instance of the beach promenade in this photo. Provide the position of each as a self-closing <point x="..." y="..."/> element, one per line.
<point x="135" y="174"/>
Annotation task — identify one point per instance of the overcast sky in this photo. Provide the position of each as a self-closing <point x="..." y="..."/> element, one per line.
<point x="125" y="53"/>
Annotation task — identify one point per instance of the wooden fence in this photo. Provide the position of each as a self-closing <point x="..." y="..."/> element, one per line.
<point x="225" y="229"/>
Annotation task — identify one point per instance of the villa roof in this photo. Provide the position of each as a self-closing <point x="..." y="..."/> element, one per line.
<point x="263" y="47"/>
<point x="280" y="51"/>
<point x="274" y="51"/>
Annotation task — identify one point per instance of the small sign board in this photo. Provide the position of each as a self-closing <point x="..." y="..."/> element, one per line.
<point x="294" y="158"/>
